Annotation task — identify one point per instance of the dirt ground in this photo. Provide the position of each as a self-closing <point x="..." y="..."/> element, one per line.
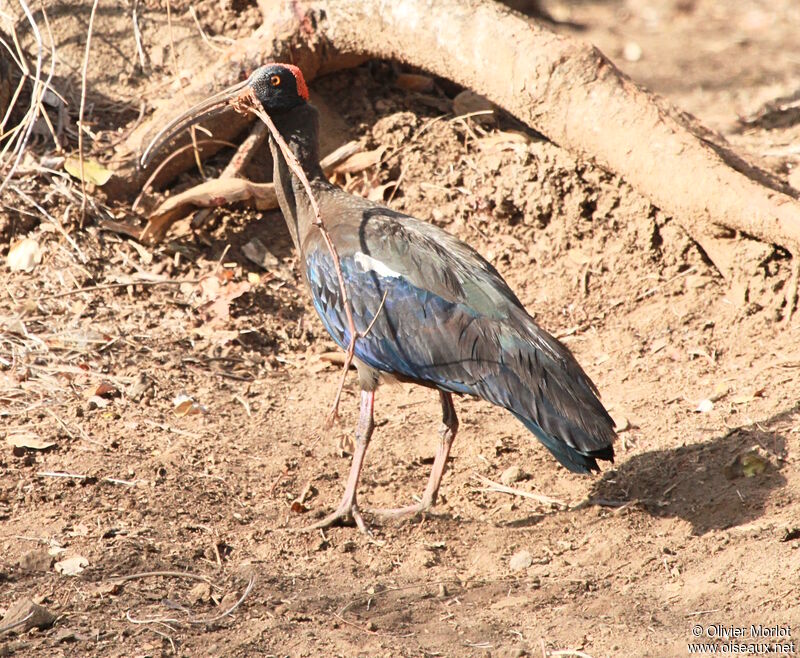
<point x="697" y="523"/>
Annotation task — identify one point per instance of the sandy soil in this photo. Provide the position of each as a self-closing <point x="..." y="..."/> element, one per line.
<point x="697" y="523"/>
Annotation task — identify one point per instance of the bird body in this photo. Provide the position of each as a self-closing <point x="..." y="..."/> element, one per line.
<point x="429" y="309"/>
<point x="448" y="319"/>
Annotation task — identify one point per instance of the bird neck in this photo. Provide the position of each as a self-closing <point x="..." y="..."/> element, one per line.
<point x="300" y="130"/>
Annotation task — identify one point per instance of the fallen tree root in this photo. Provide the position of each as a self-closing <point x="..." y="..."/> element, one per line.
<point x="222" y="191"/>
<point x="568" y="91"/>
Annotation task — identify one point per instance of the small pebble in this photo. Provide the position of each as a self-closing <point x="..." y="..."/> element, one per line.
<point x="511" y="475"/>
<point x="229" y="600"/>
<point x="632" y="51"/>
<point x="520" y="560"/>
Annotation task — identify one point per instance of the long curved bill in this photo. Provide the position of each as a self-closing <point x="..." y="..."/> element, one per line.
<point x="212" y="106"/>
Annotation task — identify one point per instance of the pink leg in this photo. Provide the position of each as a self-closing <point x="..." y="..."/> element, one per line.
<point x="348" y="507"/>
<point x="447" y="435"/>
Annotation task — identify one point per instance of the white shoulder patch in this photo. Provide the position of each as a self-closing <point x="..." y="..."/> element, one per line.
<point x="369" y="264"/>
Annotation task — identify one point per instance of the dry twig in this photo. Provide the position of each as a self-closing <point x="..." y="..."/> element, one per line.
<point x="25" y="127"/>
<point x="491" y="485"/>
<point x="247" y="102"/>
<point x="111" y="286"/>
<point x="192" y="621"/>
<point x="82" y="106"/>
<point x="165" y="574"/>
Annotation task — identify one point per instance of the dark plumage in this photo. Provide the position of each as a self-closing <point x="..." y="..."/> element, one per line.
<point x="449" y="321"/>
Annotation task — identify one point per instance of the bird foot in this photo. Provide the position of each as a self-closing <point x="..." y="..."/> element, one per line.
<point x="341" y="516"/>
<point x="400" y="512"/>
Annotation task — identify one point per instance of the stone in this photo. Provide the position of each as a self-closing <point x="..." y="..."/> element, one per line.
<point x="520" y="560"/>
<point x="36" y="560"/>
<point x="33" y="614"/>
<point x="511" y="475"/>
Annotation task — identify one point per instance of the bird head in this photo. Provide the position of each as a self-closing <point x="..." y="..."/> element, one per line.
<point x="278" y="87"/>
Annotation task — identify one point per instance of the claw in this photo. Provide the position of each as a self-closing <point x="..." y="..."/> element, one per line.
<point x="341" y="516"/>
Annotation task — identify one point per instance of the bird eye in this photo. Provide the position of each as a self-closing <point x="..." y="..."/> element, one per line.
<point x="275" y="80"/>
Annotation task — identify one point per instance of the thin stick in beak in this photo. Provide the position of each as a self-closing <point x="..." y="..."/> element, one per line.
<point x="212" y="106"/>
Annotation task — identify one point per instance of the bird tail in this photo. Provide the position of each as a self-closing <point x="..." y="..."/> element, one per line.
<point x="553" y="397"/>
<point x="572" y="459"/>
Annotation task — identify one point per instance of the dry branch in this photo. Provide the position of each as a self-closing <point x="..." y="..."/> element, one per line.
<point x="248" y="102"/>
<point x="216" y="192"/>
<point x="566" y="90"/>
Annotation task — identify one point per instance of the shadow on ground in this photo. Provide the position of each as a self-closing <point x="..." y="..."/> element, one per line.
<point x="700" y="483"/>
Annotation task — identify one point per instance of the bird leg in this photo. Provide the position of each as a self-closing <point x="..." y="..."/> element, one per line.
<point x="348" y="508"/>
<point x="447" y="434"/>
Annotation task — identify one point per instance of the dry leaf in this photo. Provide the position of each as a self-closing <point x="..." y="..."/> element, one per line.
<point x="72" y="566"/>
<point x="377" y="193"/>
<point x="720" y="391"/>
<point x="257" y="252"/>
<point x="93" y="172"/>
<point x="28" y="440"/>
<point x="621" y="423"/>
<point x="414" y="82"/>
<point x="359" y="161"/>
<point x="107" y="588"/>
<point x="318" y="365"/>
<point x="24" y="256"/>
<point x="105" y="389"/>
<point x="219" y="310"/>
<point x="336" y="358"/>
<point x="185" y="405"/>
<point x="744" y="398"/>
<point x="747" y="464"/>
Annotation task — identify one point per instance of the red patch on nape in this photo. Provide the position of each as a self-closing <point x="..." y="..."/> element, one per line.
<point x="302" y="87"/>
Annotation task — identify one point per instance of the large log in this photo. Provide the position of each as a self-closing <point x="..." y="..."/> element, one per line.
<point x="566" y="90"/>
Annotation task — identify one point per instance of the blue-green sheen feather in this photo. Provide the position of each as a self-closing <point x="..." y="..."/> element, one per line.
<point x="469" y="336"/>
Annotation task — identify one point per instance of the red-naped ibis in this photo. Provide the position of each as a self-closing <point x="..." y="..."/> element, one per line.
<point x="443" y="316"/>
